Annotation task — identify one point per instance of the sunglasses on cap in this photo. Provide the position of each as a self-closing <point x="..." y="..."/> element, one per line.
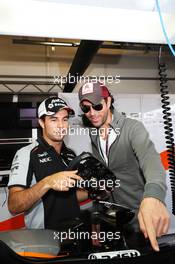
<point x="87" y="108"/>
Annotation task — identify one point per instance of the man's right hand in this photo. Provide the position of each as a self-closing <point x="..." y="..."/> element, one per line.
<point x="62" y="181"/>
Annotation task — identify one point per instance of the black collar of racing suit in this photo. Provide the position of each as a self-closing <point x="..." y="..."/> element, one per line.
<point x="45" y="144"/>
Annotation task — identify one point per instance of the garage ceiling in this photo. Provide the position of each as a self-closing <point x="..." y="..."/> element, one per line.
<point x="72" y="59"/>
<point x="124" y="24"/>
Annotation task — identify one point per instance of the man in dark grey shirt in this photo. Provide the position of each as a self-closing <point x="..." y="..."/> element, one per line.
<point x="124" y="145"/>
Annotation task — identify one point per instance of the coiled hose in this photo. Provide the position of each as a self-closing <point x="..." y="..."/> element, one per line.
<point x="168" y="128"/>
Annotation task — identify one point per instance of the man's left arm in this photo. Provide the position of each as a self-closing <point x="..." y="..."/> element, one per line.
<point x="153" y="216"/>
<point x="153" y="219"/>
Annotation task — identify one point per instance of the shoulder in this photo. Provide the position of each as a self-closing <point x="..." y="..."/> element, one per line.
<point x="134" y="129"/>
<point x="133" y="123"/>
<point x="120" y="120"/>
<point x="29" y="147"/>
<point x="25" y="151"/>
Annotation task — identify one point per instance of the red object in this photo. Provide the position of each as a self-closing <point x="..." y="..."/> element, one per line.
<point x="164" y="159"/>
<point x="13" y="223"/>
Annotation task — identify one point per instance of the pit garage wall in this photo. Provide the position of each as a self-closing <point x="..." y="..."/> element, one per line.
<point x="144" y="107"/>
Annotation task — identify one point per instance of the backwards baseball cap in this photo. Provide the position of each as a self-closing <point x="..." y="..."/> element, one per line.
<point x="93" y="92"/>
<point x="52" y="105"/>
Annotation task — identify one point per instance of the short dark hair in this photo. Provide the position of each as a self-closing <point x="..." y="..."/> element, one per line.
<point x="112" y="102"/>
<point x="40" y="130"/>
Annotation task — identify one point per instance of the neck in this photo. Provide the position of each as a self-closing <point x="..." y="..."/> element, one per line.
<point x="56" y="145"/>
<point x="104" y="129"/>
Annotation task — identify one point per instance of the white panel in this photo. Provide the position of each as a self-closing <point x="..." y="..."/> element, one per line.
<point x="148" y="5"/>
<point x="5" y="214"/>
<point x="133" y="106"/>
<point x="52" y="19"/>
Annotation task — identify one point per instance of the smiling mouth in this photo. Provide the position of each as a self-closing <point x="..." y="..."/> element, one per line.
<point x="94" y="119"/>
<point x="61" y="132"/>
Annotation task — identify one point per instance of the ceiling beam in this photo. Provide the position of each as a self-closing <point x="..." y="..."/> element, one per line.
<point x="81" y="61"/>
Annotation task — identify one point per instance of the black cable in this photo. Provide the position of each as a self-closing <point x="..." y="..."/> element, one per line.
<point x="168" y="128"/>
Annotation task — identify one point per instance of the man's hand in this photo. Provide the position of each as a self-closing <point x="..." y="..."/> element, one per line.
<point x="62" y="181"/>
<point x="153" y="220"/>
<point x="21" y="199"/>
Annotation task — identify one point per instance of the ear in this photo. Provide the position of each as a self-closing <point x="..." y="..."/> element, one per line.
<point x="41" y="123"/>
<point x="108" y="102"/>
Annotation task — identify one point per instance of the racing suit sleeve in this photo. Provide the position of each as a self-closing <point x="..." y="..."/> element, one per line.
<point x="20" y="169"/>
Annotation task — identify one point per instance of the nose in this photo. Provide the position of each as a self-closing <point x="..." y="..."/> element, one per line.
<point x="92" y="111"/>
<point x="61" y="128"/>
<point x="59" y="124"/>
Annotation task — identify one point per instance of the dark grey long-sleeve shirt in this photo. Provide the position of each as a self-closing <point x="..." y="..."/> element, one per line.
<point x="135" y="162"/>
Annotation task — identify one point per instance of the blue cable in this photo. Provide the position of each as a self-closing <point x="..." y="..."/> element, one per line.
<point x="163" y="28"/>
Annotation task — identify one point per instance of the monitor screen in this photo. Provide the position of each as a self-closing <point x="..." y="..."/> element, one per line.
<point x="18" y="116"/>
<point x="28" y="117"/>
